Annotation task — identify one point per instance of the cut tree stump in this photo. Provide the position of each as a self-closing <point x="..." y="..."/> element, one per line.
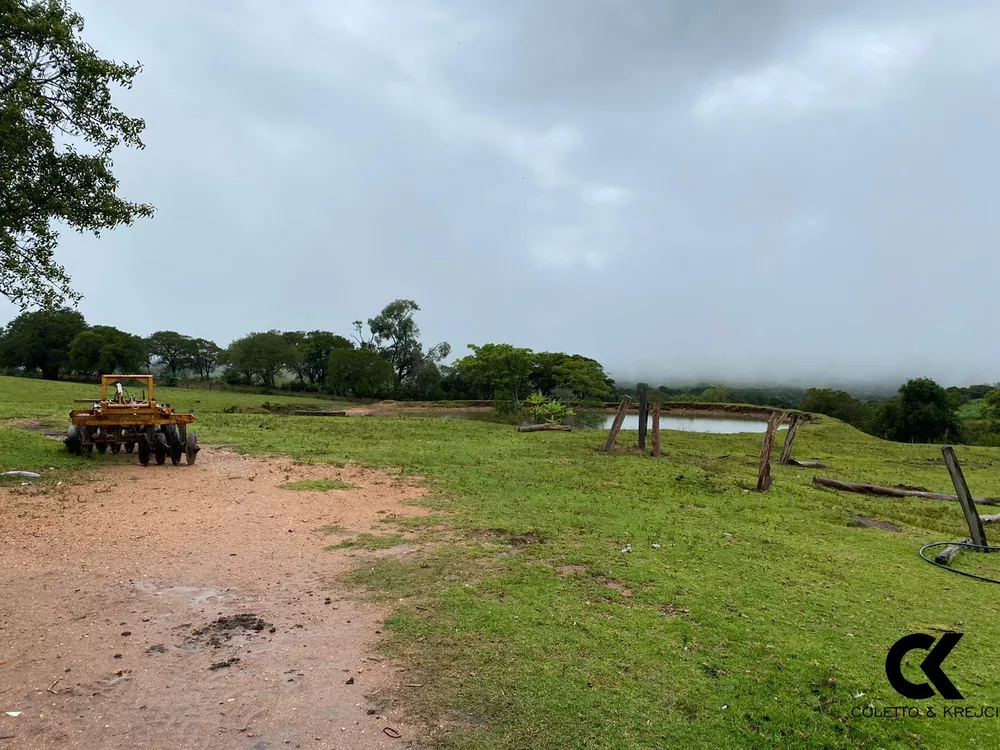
<point x="543" y="427"/>
<point x="874" y="489"/>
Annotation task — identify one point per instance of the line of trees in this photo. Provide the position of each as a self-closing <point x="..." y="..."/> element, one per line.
<point x="384" y="358"/>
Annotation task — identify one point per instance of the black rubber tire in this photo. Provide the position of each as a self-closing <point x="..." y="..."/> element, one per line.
<point x="143" y="450"/>
<point x="129" y="447"/>
<point x="102" y="448"/>
<point x="89" y="450"/>
<point x="116" y="448"/>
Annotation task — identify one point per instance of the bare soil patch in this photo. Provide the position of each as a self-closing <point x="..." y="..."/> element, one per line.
<point x="195" y="607"/>
<point x="866" y="522"/>
<point x="618" y="586"/>
<point x="570" y="570"/>
<point x="672" y="610"/>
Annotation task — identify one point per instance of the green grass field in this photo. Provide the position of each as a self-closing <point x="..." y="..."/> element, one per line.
<point x="737" y="620"/>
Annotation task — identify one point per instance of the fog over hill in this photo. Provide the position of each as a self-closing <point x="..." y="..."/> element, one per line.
<point x="757" y="192"/>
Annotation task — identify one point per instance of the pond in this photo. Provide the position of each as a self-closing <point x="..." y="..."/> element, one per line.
<point x="602" y="421"/>
<point x="716" y="425"/>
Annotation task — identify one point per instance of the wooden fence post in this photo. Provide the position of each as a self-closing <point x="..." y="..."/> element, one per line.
<point x="786" y="452"/>
<point x="976" y="531"/>
<point x="656" y="429"/>
<point x="616" y="425"/>
<point x="643" y="418"/>
<point x="764" y="473"/>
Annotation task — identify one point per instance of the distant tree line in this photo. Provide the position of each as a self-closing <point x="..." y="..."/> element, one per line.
<point x="383" y="358"/>
<point x="920" y="411"/>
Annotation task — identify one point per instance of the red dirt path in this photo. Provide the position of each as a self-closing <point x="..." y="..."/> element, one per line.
<point x="110" y="590"/>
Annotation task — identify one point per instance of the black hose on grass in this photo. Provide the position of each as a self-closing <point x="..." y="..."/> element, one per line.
<point x="986" y="547"/>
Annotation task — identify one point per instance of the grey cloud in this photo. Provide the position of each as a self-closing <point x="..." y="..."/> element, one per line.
<point x="801" y="191"/>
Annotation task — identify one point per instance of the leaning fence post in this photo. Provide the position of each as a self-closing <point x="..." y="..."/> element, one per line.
<point x="764" y="473"/>
<point x="643" y="418"/>
<point x="616" y="425"/>
<point x="656" y="429"/>
<point x="786" y="452"/>
<point x="976" y="531"/>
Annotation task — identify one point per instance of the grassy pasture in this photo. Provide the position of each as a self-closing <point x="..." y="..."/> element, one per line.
<point x="737" y="620"/>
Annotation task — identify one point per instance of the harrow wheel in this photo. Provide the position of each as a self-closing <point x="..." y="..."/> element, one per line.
<point x="115" y="448"/>
<point x="191" y="448"/>
<point x="102" y="448"/>
<point x="174" y="447"/>
<point x="145" y="445"/>
<point x="160" y="448"/>
<point x="72" y="440"/>
<point x="129" y="447"/>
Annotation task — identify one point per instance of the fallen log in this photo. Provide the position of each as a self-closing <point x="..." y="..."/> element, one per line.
<point x="320" y="413"/>
<point x="806" y="464"/>
<point x="945" y="556"/>
<point x="540" y="427"/>
<point x="874" y="489"/>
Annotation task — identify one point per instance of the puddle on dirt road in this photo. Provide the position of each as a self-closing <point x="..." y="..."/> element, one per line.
<point x="194" y="596"/>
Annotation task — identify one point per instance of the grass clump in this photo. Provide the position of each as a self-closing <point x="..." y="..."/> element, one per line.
<point x="369" y="542"/>
<point x="331" y="529"/>
<point x="317" y="485"/>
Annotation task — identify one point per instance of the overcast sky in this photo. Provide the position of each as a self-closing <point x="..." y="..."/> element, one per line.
<point x="717" y="188"/>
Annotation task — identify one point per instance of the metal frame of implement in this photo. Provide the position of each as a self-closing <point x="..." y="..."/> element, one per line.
<point x="124" y="421"/>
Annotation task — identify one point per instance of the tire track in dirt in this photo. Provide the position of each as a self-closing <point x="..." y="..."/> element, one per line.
<point x="194" y="607"/>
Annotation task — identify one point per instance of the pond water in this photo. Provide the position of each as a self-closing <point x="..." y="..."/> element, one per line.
<point x="716" y="425"/>
<point x="601" y="421"/>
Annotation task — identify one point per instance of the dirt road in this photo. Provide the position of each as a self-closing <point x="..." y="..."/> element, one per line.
<point x="193" y="607"/>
